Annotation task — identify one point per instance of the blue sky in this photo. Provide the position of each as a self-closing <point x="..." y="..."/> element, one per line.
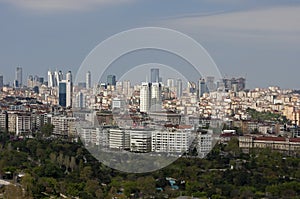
<point x="258" y="39"/>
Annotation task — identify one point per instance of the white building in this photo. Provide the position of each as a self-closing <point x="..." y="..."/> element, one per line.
<point x="145" y="97"/>
<point x="118" y="139"/>
<point x="156" y="100"/>
<point x="63" y="125"/>
<point x="179" y="89"/>
<point x="171" y="140"/>
<point x="204" y="143"/>
<point x="50" y="79"/>
<point x="23" y="124"/>
<point x="69" y="88"/>
<point x="88" y="80"/>
<point x="80" y="100"/>
<point x="140" y="140"/>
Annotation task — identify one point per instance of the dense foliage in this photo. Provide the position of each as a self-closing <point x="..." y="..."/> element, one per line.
<point x="55" y="167"/>
<point x="266" y="116"/>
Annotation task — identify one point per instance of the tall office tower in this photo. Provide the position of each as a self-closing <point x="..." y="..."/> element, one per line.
<point x="119" y="87"/>
<point x="69" y="88"/>
<point x="50" y="79"/>
<point x="111" y="80"/>
<point x="127" y="88"/>
<point x="202" y="87"/>
<point x="156" y="100"/>
<point x="1" y="81"/>
<point x="210" y="82"/>
<point x="88" y="80"/>
<point x="41" y="80"/>
<point x="145" y="97"/>
<point x="80" y="100"/>
<point x="241" y="83"/>
<point x="191" y="87"/>
<point x="179" y="89"/>
<point x="19" y="77"/>
<point x="30" y="82"/>
<point x="220" y="86"/>
<point x="154" y="75"/>
<point x="227" y="84"/>
<point x="62" y="93"/>
<point x="171" y="82"/>
<point x="58" y="76"/>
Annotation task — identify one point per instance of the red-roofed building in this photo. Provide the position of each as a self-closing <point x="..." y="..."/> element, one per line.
<point x="274" y="143"/>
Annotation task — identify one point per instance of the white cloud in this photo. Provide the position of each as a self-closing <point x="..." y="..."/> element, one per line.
<point x="275" y="22"/>
<point x="62" y="5"/>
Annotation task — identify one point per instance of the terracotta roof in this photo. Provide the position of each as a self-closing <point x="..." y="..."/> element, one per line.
<point x="278" y="139"/>
<point x="294" y="139"/>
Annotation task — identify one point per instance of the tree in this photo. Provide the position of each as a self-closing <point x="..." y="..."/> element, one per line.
<point x="47" y="130"/>
<point x="233" y="147"/>
<point x="27" y="183"/>
<point x="86" y="173"/>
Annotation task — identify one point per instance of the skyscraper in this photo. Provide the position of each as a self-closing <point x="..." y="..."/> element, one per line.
<point x="65" y="91"/>
<point x="154" y="75"/>
<point x="111" y="80"/>
<point x="19" y="77"/>
<point x="80" y="100"/>
<point x="50" y="79"/>
<point x="210" y="82"/>
<point x="202" y="87"/>
<point x="69" y="88"/>
<point x="171" y="82"/>
<point x="127" y="88"/>
<point x="58" y="76"/>
<point x="156" y="100"/>
<point x="62" y="93"/>
<point x="145" y="97"/>
<point x="88" y="80"/>
<point x="179" y="88"/>
<point x="1" y="81"/>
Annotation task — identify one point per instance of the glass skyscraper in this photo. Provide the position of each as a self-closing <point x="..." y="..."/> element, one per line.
<point x="154" y="75"/>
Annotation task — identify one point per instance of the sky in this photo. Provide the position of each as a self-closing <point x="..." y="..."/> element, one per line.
<point x="256" y="39"/>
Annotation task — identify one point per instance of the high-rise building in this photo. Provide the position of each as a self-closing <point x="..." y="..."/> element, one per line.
<point x="69" y="88"/>
<point x="19" y="77"/>
<point x="1" y="81"/>
<point x="62" y="93"/>
<point x="145" y="97"/>
<point x="241" y="83"/>
<point x="171" y="83"/>
<point x="210" y="82"/>
<point x="30" y="81"/>
<point x="58" y="76"/>
<point x="127" y="88"/>
<point x="234" y="84"/>
<point x="65" y="91"/>
<point x="50" y="79"/>
<point x="154" y="75"/>
<point x="202" y="87"/>
<point x="88" y="80"/>
<point x="179" y="88"/>
<point x="191" y="87"/>
<point x="80" y="100"/>
<point x="111" y="80"/>
<point x="156" y="100"/>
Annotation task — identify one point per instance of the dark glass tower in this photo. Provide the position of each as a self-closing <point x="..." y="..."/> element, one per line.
<point x="63" y="94"/>
<point x="154" y="75"/>
<point x="111" y="80"/>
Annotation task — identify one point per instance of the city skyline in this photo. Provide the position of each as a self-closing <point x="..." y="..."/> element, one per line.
<point x="265" y="52"/>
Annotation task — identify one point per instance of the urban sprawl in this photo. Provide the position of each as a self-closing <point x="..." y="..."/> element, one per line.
<point x="163" y="115"/>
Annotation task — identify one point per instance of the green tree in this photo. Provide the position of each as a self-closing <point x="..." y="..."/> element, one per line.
<point x="27" y="183"/>
<point x="47" y="130"/>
